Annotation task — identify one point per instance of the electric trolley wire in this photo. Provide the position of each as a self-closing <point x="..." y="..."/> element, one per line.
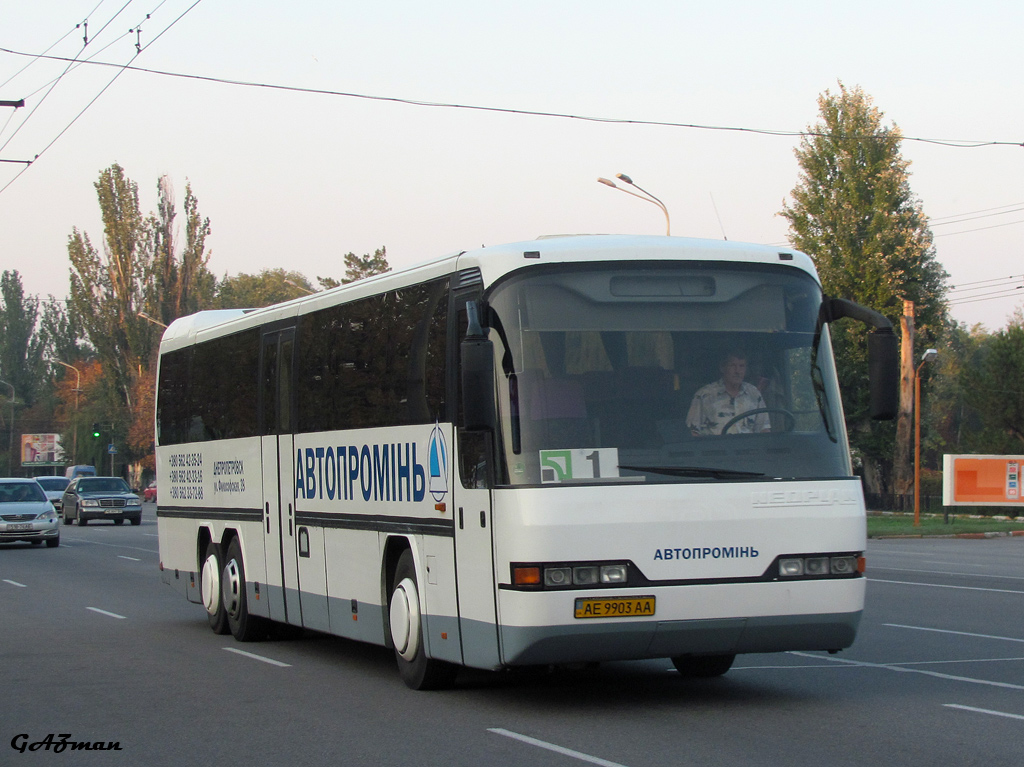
<point x="953" y="143"/>
<point x="121" y="69"/>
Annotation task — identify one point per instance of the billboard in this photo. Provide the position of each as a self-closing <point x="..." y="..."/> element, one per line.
<point x="981" y="480"/>
<point x="41" y="450"/>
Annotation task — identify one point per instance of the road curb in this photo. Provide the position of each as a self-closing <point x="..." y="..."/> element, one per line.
<point x="966" y="536"/>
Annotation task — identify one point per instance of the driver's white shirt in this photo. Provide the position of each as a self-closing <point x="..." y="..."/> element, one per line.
<point x="713" y="407"/>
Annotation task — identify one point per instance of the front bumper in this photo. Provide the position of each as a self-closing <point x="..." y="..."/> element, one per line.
<point x="38" y="530"/>
<point x="90" y="513"/>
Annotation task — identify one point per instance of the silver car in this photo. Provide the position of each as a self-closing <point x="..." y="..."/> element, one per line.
<point x="26" y="514"/>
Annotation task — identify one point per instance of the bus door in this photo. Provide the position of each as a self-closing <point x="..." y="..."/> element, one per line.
<point x="278" y="475"/>
<point x="474" y="550"/>
<point x="474" y="563"/>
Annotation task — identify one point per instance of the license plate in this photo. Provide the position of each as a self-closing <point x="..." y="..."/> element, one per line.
<point x="19" y="527"/>
<point x="113" y="511"/>
<point x="614" y="607"/>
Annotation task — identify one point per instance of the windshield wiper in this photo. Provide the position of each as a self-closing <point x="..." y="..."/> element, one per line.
<point x="695" y="471"/>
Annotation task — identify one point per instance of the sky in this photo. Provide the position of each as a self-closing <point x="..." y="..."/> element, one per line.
<point x="297" y="179"/>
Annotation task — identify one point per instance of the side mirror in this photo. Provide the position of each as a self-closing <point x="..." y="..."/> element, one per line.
<point x="478" y="410"/>
<point x="884" y="374"/>
<point x="883" y="354"/>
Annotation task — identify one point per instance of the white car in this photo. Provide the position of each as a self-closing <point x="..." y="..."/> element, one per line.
<point x="54" y="488"/>
<point x="26" y="514"/>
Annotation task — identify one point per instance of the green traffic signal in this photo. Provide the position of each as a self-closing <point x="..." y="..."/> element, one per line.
<point x="95" y="431"/>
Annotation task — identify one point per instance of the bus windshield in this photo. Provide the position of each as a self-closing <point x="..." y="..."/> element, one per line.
<point x="665" y="373"/>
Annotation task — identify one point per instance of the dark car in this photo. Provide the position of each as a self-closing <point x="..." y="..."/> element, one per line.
<point x="89" y="498"/>
<point x="26" y="514"/>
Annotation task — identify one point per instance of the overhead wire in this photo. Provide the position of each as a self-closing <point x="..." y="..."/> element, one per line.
<point x="53" y="83"/>
<point x="121" y="69"/>
<point x="953" y="143"/>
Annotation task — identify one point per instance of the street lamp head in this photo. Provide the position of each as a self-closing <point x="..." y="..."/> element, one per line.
<point x="929" y="355"/>
<point x="606" y="182"/>
<point x="624" y="177"/>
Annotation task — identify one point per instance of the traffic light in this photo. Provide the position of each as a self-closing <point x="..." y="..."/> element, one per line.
<point x="95" y="431"/>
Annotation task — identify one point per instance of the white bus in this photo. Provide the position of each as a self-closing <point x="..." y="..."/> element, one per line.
<point x="490" y="460"/>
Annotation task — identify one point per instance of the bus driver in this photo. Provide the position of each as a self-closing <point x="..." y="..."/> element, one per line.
<point x="718" y="403"/>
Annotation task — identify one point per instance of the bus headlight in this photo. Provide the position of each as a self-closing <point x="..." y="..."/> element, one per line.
<point x="844" y="565"/>
<point x="557" y="576"/>
<point x="613" y="573"/>
<point x="820" y="566"/>
<point x="584" y="576"/>
<point x="789" y="568"/>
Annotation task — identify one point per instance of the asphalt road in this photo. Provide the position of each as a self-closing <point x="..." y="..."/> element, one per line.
<point x="95" y="647"/>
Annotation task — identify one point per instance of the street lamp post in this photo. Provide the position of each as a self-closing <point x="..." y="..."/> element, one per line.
<point x="74" y="431"/>
<point x="649" y="198"/>
<point x="928" y="356"/>
<point x="151" y="319"/>
<point x="10" y="445"/>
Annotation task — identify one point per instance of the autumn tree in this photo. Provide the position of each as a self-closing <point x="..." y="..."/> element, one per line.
<point x="854" y="213"/>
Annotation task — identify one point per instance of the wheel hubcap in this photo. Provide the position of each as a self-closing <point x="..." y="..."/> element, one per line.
<point x="211" y="585"/>
<point x="405" y="619"/>
<point x="231" y="588"/>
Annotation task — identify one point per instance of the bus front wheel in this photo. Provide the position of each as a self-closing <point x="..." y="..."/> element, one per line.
<point x="418" y="671"/>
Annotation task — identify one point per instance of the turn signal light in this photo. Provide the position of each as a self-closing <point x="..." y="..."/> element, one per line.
<point x="526" y="576"/>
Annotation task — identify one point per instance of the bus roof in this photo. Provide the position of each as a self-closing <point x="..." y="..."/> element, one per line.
<point x="492" y="263"/>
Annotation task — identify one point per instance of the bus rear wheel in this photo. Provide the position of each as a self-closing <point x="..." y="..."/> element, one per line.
<point x="244" y="626"/>
<point x="418" y="671"/>
<point x="703" y="666"/>
<point x="211" y="590"/>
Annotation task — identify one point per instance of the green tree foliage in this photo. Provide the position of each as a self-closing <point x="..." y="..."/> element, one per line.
<point x="994" y="386"/>
<point x="21" y="351"/>
<point x="853" y="211"/>
<point x="359" y="267"/>
<point x="181" y="281"/>
<point x="252" y="291"/>
<point x="107" y="290"/>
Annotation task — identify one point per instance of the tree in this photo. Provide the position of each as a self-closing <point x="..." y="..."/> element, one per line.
<point x="854" y="213"/>
<point x="181" y="281"/>
<point x="252" y="291"/>
<point x="994" y="386"/>
<point x="21" y="351"/>
<point x="359" y="267"/>
<point x="107" y="291"/>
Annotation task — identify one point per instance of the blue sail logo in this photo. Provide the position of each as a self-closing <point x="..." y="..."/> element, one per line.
<point x="438" y="464"/>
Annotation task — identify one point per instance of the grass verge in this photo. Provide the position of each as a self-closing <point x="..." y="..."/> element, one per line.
<point x="880" y="525"/>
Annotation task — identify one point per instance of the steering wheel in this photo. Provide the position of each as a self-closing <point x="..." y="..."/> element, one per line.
<point x="790" y="418"/>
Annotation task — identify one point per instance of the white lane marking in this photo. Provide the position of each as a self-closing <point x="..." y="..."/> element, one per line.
<point x="936" y="674"/>
<point x="948" y="631"/>
<point x="983" y="711"/>
<point x="133" y="559"/>
<point x="150" y="535"/>
<point x="944" y="586"/>
<point x="116" y="546"/>
<point x="960" y="661"/>
<point x="552" y="747"/>
<point x="15" y="583"/>
<point x="104" y="612"/>
<point x="271" y="661"/>
<point x="948" y="572"/>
